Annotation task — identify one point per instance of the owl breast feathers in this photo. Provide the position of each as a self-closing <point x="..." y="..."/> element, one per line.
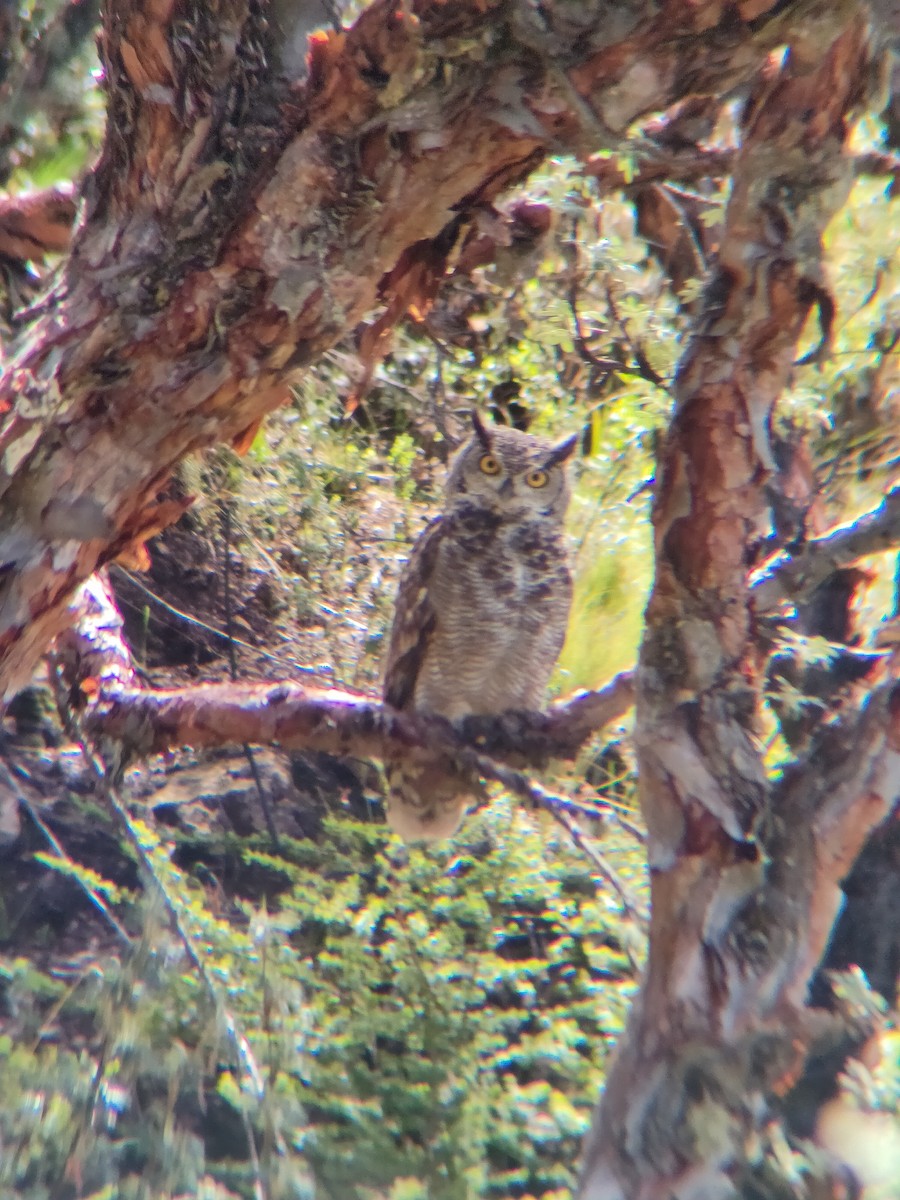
<point x="482" y="606"/>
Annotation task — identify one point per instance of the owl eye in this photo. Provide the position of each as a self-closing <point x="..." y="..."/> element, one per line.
<point x="537" y="478"/>
<point x="489" y="464"/>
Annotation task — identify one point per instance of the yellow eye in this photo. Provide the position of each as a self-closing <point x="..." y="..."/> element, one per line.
<point x="537" y="478"/>
<point x="489" y="464"/>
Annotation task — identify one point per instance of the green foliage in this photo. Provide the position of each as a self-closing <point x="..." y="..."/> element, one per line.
<point x="430" y="1023"/>
<point x="458" y="1035"/>
<point x="402" y="456"/>
<point x="425" y="1023"/>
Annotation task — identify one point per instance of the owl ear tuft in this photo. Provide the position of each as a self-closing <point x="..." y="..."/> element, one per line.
<point x="481" y="430"/>
<point x="562" y="452"/>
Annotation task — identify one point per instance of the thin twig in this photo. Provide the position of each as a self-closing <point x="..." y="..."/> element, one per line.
<point x="268" y="815"/>
<point x="561" y="810"/>
<point x="238" y="1043"/>
<point x="59" y="850"/>
<point x="644" y="368"/>
<point x="674" y="197"/>
<point x="601" y="368"/>
<point x="603" y="868"/>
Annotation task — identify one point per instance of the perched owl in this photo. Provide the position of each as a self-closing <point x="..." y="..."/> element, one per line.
<point x="482" y="605"/>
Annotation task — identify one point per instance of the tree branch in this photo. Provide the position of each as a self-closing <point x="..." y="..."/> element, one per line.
<point x="239" y="221"/>
<point x="343" y="723"/>
<point x="792" y="574"/>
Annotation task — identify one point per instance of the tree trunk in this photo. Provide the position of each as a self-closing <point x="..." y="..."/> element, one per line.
<point x="250" y="206"/>
<point x="240" y="220"/>
<point x="745" y="874"/>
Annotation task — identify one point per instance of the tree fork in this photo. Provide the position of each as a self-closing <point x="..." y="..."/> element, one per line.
<point x="247" y="207"/>
<point x="745" y="877"/>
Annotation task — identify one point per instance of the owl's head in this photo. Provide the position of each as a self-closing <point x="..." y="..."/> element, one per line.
<point x="514" y="474"/>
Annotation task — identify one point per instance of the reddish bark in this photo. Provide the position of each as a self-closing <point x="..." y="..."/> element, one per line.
<point x="237" y="223"/>
<point x="745" y="880"/>
<point x="343" y="722"/>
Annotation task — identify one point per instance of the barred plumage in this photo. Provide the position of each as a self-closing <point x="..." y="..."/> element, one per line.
<point x="482" y="606"/>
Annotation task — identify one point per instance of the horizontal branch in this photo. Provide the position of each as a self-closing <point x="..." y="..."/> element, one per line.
<point x="36" y="224"/>
<point x="695" y="163"/>
<point x="345" y="723"/>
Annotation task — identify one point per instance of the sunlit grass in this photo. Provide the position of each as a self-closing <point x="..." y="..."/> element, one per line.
<point x="613" y="572"/>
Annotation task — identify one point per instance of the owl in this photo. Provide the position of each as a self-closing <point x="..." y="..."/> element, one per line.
<point x="482" y="606"/>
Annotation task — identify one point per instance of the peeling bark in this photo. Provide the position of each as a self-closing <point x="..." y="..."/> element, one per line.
<point x="238" y="222"/>
<point x="745" y="878"/>
<point x="248" y="208"/>
<point x="344" y="723"/>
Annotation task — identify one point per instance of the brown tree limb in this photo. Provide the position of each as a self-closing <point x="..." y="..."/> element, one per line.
<point x="36" y="224"/>
<point x="97" y="659"/>
<point x="740" y="915"/>
<point x="238" y="222"/>
<point x="695" y="163"/>
<point x="344" y="723"/>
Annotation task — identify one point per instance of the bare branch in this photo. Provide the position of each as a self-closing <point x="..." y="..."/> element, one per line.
<point x="696" y="163"/>
<point x="6" y="778"/>
<point x="344" y="723"/>
<point x="798" y="573"/>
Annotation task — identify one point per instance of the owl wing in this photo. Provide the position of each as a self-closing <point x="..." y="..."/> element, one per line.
<point x="414" y="618"/>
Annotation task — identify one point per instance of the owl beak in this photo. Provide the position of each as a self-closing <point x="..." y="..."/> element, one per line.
<point x="505" y="488"/>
